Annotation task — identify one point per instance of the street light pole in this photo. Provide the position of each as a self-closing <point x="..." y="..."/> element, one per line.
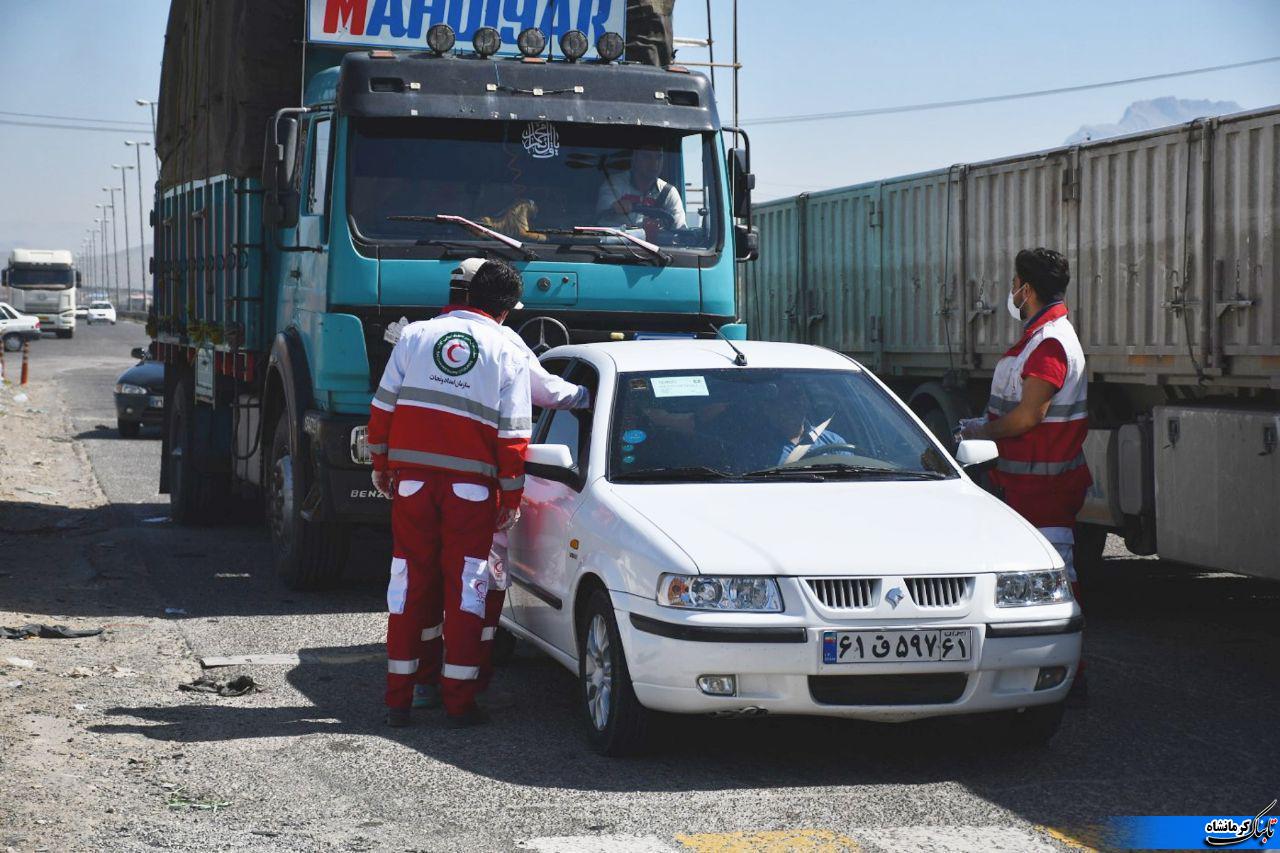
<point x="142" y="231"/>
<point x="142" y="102"/>
<point x="102" y="248"/>
<point x="128" y="261"/>
<point x="115" y="240"/>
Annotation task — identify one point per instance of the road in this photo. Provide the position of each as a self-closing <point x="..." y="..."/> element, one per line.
<point x="1180" y="719"/>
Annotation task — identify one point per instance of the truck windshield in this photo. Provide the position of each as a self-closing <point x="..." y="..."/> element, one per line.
<point x="536" y="181"/>
<point x="44" y="278"/>
<point x="765" y="423"/>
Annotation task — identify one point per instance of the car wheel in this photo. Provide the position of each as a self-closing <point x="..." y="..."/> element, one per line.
<point x="308" y="554"/>
<point x="1028" y="728"/>
<point x="129" y="429"/>
<point x="12" y="343"/>
<point x="617" y="724"/>
<point x="504" y="647"/>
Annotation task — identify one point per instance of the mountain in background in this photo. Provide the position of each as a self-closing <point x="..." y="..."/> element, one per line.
<point x="1147" y="115"/>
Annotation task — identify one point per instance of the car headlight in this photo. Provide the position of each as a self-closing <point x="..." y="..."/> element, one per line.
<point x="703" y="592"/>
<point x="126" y="388"/>
<point x="1022" y="589"/>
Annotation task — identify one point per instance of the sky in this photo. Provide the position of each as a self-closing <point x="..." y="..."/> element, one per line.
<point x="93" y="58"/>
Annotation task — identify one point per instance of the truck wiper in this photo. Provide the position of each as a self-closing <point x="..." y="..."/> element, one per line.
<point x="474" y="227"/>
<point x="661" y="256"/>
<point x="844" y="469"/>
<point x="686" y="472"/>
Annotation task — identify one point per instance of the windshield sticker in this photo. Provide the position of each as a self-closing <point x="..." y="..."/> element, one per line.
<point x="680" y="386"/>
<point x="634" y="436"/>
<point x="541" y="140"/>
<point x="638" y="385"/>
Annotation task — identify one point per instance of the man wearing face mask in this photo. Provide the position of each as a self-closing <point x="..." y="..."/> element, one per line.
<point x="1038" y="410"/>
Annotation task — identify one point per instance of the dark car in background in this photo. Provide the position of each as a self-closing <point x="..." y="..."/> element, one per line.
<point x="139" y="395"/>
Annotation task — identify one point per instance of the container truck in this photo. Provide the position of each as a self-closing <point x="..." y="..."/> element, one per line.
<point x="42" y="283"/>
<point x="325" y="166"/>
<point x="1175" y="292"/>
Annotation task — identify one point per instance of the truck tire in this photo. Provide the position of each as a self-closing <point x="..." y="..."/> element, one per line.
<point x="1091" y="540"/>
<point x="617" y="724"/>
<point x="308" y="554"/>
<point x="194" y="497"/>
<point x="12" y="343"/>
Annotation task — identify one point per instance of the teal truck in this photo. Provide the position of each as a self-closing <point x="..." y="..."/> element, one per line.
<point x="325" y="166"/>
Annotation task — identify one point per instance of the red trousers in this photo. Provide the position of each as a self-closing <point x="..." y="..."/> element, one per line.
<point x="442" y="527"/>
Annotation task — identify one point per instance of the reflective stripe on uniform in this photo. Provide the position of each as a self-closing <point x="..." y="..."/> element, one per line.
<point x="1062" y="411"/>
<point x="402" y="667"/>
<point x="488" y="634"/>
<point x="456" y="402"/>
<point x="382" y="395"/>
<point x="459" y="673"/>
<point x="377" y="448"/>
<point x="432" y="633"/>
<point x="1044" y="469"/>
<point x="440" y="460"/>
<point x="507" y="484"/>
<point x="515" y="424"/>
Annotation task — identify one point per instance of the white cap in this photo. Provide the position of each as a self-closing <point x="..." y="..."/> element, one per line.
<point x="465" y="271"/>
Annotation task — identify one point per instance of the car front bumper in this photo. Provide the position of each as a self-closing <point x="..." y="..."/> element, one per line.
<point x="777" y="662"/>
<point x="140" y="408"/>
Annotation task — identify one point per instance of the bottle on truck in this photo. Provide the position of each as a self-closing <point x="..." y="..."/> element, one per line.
<point x="1173" y="239"/>
<point x="43" y="282"/>
<point x="326" y="164"/>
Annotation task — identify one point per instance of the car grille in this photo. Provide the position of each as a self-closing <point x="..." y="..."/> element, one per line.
<point x="934" y="689"/>
<point x="844" y="593"/>
<point x="939" y="592"/>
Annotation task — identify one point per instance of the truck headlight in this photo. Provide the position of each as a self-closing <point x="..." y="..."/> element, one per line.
<point x="126" y="388"/>
<point x="704" y="592"/>
<point x="360" y="446"/>
<point x="1022" y="589"/>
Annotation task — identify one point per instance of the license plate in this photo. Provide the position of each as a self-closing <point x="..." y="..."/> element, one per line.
<point x="156" y="402"/>
<point x="943" y="644"/>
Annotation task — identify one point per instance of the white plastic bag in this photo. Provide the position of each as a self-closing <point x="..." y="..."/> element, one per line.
<point x="398" y="587"/>
<point x="475" y="585"/>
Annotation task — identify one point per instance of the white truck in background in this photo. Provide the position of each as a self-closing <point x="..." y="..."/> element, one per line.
<point x="43" y="282"/>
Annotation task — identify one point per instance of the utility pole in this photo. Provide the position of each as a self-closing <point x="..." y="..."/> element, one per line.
<point x="128" y="261"/>
<point x="102" y="247"/>
<point x="142" y="230"/>
<point x="115" y="240"/>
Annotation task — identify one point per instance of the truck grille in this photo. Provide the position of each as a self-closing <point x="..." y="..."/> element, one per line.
<point x="939" y="592"/>
<point x="844" y="593"/>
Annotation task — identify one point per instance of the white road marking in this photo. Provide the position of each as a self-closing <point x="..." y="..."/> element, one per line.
<point x="598" y="844"/>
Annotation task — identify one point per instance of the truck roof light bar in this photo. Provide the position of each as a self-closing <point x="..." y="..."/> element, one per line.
<point x="532" y="42"/>
<point x="610" y="46"/>
<point x="440" y="39"/>
<point x="574" y="44"/>
<point x="487" y="41"/>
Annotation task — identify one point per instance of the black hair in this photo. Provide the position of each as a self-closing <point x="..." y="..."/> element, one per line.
<point x="495" y="288"/>
<point x="1045" y="270"/>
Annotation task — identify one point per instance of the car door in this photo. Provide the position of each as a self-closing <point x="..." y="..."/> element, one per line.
<point x="538" y="558"/>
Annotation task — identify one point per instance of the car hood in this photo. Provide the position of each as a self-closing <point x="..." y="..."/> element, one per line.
<point x="148" y="374"/>
<point x="840" y="528"/>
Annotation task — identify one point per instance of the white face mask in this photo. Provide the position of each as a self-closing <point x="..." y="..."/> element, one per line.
<point x="1015" y="310"/>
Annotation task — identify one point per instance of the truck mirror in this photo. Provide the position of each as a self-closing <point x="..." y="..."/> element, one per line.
<point x="279" y="170"/>
<point x="746" y="243"/>
<point x="79" y="279"/>
<point x="743" y="183"/>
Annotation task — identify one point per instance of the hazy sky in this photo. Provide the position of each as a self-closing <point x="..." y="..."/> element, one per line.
<point x="92" y="58"/>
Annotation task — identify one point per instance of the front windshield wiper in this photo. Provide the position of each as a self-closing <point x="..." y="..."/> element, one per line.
<point x="474" y="227"/>
<point x="685" y="472"/>
<point x="829" y="469"/>
<point x="654" y="252"/>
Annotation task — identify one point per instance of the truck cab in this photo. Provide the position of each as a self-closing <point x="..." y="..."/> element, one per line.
<point x="42" y="283"/>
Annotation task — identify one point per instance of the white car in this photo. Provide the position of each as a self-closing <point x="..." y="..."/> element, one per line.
<point x="101" y="311"/>
<point x="16" y="327"/>
<point x="779" y="537"/>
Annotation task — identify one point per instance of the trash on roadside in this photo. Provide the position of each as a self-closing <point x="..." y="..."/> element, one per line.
<point x="121" y="671"/>
<point x="20" y="397"/>
<point x="47" y="632"/>
<point x="238" y="686"/>
<point x="21" y="662"/>
<point x="11" y="684"/>
<point x="179" y="799"/>
<point x="80" y="707"/>
<point x="80" y="672"/>
<point x="250" y="660"/>
<point x="175" y="611"/>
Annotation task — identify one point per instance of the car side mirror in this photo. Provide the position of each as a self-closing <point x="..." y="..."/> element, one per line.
<point x="976" y="454"/>
<point x="549" y="456"/>
<point x="140" y="353"/>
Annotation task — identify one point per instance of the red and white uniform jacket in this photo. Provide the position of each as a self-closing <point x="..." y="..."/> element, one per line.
<point x="454" y="397"/>
<point x="547" y="391"/>
<point x="1043" y="471"/>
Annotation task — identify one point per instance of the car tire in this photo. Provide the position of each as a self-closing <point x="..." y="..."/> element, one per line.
<point x="195" y="497"/>
<point x="308" y="555"/>
<point x="129" y="429"/>
<point x="12" y="343"/>
<point x="1028" y="728"/>
<point x="617" y="724"/>
<point x="504" y="647"/>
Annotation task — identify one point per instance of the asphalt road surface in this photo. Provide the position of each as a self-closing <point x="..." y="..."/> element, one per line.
<point x="1181" y="717"/>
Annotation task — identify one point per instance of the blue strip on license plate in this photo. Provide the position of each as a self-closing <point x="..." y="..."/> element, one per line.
<point x="932" y="645"/>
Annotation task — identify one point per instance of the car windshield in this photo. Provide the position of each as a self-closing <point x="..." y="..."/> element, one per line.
<point x="760" y="422"/>
<point x="41" y="277"/>
<point x="100" y="305"/>
<point x="535" y="181"/>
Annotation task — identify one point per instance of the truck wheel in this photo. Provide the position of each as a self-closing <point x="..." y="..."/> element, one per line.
<point x="12" y="343"/>
<point x="1091" y="540"/>
<point x="1027" y="728"/>
<point x="194" y="497"/>
<point x="617" y="724"/>
<point x="936" y="420"/>
<point x="129" y="429"/>
<point x="308" y="554"/>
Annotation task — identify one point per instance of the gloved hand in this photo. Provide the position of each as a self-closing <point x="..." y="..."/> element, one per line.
<point x="583" y="399"/>
<point x="970" y="427"/>
<point x="382" y="482"/>
<point x="507" y="517"/>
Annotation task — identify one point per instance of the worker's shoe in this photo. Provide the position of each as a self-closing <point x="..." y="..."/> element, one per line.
<point x="397" y="718"/>
<point x="473" y="716"/>
<point x="426" y="696"/>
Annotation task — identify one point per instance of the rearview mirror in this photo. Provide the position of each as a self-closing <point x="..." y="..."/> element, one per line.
<point x="746" y="243"/>
<point x="743" y="183"/>
<point x="549" y="455"/>
<point x="976" y="454"/>
<point x="140" y="353"/>
<point x="279" y="169"/>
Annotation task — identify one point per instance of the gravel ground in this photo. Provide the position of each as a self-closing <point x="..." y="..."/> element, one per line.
<point x="101" y="751"/>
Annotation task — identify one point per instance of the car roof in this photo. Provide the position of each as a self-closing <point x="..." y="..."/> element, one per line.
<point x="706" y="354"/>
